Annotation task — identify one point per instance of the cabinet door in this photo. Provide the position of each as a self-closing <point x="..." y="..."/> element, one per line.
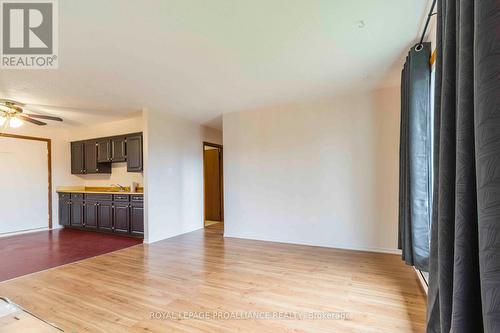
<point x="137" y="219"/>
<point x="90" y="214"/>
<point x="64" y="211"/>
<point x="77" y="158"/>
<point x="118" y="149"/>
<point x="103" y="151"/>
<point x="134" y="153"/>
<point x="90" y="157"/>
<point x="105" y="215"/>
<point x="121" y="217"/>
<point x="77" y="213"/>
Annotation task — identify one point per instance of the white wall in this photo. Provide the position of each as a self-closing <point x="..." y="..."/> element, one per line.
<point x="321" y="173"/>
<point x="173" y="177"/>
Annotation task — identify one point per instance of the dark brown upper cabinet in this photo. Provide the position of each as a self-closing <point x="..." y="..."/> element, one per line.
<point x="96" y="155"/>
<point x="90" y="152"/>
<point x="103" y="150"/>
<point x="77" y="158"/>
<point x="118" y="149"/>
<point x="134" y="153"/>
<point x="84" y="159"/>
<point x="112" y="149"/>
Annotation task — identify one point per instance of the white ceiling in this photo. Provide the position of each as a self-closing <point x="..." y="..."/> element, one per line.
<point x="200" y="59"/>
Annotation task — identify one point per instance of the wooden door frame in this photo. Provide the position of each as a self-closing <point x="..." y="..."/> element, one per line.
<point x="221" y="174"/>
<point x="49" y="159"/>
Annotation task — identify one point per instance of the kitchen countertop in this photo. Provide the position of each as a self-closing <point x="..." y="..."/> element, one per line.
<point x="96" y="190"/>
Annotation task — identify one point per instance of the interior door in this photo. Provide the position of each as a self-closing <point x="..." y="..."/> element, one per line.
<point x="213" y="188"/>
<point x="24" y="195"/>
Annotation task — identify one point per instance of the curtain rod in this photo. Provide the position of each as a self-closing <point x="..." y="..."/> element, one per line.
<point x="419" y="45"/>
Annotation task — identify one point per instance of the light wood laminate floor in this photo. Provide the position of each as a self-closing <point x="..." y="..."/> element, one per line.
<point x="202" y="271"/>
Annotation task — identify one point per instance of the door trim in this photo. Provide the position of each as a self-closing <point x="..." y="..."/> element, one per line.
<point x="221" y="174"/>
<point x="49" y="159"/>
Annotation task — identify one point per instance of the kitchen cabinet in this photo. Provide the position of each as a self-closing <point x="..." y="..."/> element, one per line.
<point x="116" y="213"/>
<point x="90" y="214"/>
<point x="112" y="149"/>
<point x="77" y="213"/>
<point x="64" y="210"/>
<point x="137" y="219"/>
<point x="77" y="158"/>
<point x="118" y="149"/>
<point x="121" y="217"/>
<point x="134" y="153"/>
<point x="96" y="155"/>
<point x="103" y="151"/>
<point x="90" y="153"/>
<point x="105" y="216"/>
<point x="84" y="159"/>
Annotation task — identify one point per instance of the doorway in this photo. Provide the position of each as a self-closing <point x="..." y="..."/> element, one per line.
<point x="213" y="183"/>
<point x="26" y="197"/>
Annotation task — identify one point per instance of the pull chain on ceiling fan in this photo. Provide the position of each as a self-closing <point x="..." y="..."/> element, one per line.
<point x="13" y="114"/>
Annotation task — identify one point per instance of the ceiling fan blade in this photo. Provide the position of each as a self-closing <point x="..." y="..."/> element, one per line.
<point x="28" y="119"/>
<point x="43" y="117"/>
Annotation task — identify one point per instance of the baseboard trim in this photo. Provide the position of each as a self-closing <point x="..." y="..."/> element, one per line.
<point x="147" y="241"/>
<point x="14" y="233"/>
<point x="330" y="246"/>
<point x="423" y="283"/>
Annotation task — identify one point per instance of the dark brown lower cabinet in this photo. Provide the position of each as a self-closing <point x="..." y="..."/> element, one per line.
<point x="105" y="215"/>
<point x="64" y="211"/>
<point x="121" y="217"/>
<point x="90" y="212"/>
<point x="119" y="213"/>
<point x="137" y="219"/>
<point x="77" y="213"/>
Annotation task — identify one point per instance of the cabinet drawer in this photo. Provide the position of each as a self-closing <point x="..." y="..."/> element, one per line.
<point x="98" y="197"/>
<point x="137" y="198"/>
<point x="121" y="197"/>
<point x="77" y="196"/>
<point x="64" y="196"/>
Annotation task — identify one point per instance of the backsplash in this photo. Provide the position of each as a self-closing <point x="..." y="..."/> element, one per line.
<point x="119" y="175"/>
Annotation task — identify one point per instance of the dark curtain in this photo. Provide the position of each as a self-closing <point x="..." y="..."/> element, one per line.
<point x="415" y="157"/>
<point x="464" y="290"/>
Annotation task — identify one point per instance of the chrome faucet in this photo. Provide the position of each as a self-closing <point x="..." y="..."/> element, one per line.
<point x="122" y="188"/>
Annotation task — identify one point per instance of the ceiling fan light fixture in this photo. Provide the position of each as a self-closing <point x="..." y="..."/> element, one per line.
<point x="15" y="122"/>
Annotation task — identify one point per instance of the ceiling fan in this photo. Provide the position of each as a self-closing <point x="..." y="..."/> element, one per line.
<point x="13" y="114"/>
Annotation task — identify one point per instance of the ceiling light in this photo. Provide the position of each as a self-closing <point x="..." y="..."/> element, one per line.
<point x="3" y="119"/>
<point x="15" y="122"/>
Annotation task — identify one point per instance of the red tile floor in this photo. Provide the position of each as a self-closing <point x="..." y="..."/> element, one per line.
<point x="37" y="251"/>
